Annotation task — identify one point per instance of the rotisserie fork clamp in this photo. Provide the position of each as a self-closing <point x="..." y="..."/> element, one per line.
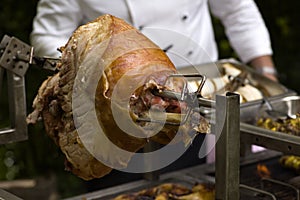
<point x="15" y="59"/>
<point x="194" y="100"/>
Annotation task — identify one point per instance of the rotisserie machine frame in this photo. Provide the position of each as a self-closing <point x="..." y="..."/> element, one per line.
<point x="230" y="121"/>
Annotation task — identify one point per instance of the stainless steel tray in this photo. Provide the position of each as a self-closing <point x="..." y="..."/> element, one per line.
<point x="252" y="134"/>
<point x="282" y="98"/>
<point x="212" y="70"/>
<point x="112" y="192"/>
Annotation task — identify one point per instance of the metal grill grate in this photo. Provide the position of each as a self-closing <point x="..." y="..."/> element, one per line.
<point x="270" y="189"/>
<point x="264" y="188"/>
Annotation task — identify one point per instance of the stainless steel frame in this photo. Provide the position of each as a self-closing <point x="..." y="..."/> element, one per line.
<point x="17" y="131"/>
<point x="227" y="147"/>
<point x="15" y="57"/>
<point x="17" y="110"/>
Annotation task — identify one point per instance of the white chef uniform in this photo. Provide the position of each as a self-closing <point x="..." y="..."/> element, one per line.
<point x="181" y="26"/>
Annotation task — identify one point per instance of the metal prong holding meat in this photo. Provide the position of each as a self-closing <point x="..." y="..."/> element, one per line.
<point x="184" y="96"/>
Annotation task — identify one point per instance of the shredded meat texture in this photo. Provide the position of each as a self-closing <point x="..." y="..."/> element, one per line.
<point x="122" y="54"/>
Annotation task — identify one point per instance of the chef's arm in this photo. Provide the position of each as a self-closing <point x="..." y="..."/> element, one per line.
<point x="246" y="32"/>
<point x="265" y="65"/>
<point x="53" y="24"/>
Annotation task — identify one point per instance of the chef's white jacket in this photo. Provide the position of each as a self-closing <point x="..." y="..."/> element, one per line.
<point x="182" y="26"/>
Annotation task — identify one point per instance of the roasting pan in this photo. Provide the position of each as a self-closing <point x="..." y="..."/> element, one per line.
<point x="281" y="98"/>
<point x="252" y="134"/>
<point x="268" y="87"/>
<point x="127" y="188"/>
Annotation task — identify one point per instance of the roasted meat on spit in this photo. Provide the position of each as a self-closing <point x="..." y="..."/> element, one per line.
<point x="119" y="59"/>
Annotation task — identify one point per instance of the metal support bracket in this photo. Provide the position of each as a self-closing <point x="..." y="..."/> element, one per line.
<point x="15" y="59"/>
<point x="228" y="147"/>
<point x="17" y="110"/>
<point x="16" y="55"/>
<point x="9" y="49"/>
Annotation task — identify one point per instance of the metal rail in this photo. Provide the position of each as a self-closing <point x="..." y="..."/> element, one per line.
<point x="270" y="139"/>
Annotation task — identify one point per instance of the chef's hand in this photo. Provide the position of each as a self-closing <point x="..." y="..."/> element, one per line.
<point x="271" y="76"/>
<point x="265" y="66"/>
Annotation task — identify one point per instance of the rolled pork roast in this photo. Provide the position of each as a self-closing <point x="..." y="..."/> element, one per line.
<point x="108" y="72"/>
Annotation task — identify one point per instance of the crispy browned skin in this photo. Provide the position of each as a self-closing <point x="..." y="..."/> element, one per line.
<point x="54" y="100"/>
<point x="144" y="58"/>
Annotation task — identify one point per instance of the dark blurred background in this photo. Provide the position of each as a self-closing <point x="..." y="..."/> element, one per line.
<point x="40" y="158"/>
